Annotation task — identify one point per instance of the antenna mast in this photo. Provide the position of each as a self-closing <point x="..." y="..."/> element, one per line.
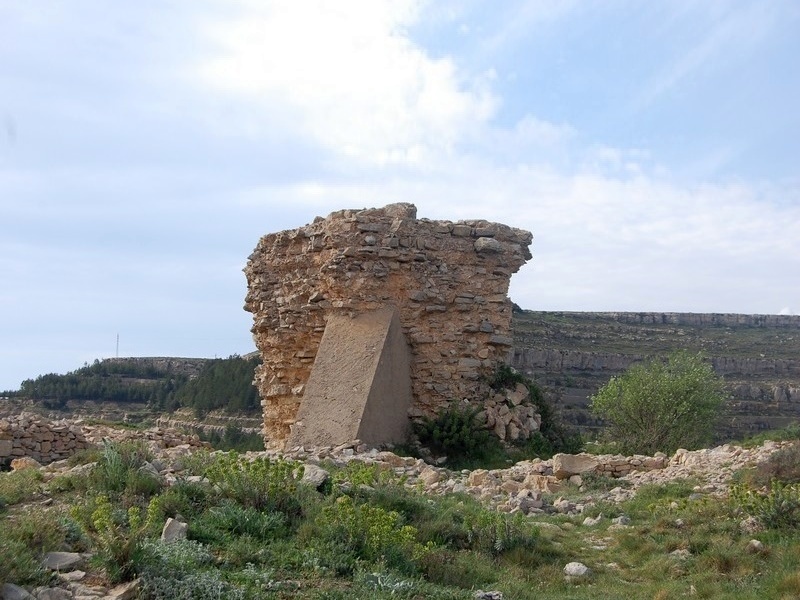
<point x="117" y="345"/>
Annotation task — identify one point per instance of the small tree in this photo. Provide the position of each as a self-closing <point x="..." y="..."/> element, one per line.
<point x="661" y="405"/>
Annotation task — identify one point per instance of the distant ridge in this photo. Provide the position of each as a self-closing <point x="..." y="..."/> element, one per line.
<point x="574" y="353"/>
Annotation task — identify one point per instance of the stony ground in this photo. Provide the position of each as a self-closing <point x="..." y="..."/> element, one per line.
<point x="555" y="486"/>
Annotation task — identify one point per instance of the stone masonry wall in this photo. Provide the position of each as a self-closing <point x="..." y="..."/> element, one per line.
<point x="39" y="438"/>
<point x="449" y="282"/>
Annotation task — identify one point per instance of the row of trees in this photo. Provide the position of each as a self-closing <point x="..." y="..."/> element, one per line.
<point x="117" y="381"/>
<point x="223" y="384"/>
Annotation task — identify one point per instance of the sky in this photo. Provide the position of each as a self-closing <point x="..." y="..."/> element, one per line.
<point x="652" y="148"/>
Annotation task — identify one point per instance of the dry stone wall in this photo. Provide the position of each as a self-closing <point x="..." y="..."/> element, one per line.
<point x="447" y="280"/>
<point x="39" y="438"/>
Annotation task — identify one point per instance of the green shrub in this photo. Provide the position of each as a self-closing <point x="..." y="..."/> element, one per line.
<point x="117" y="535"/>
<point x="20" y="564"/>
<point x="357" y="473"/>
<point x="119" y="471"/>
<point x="777" y="508"/>
<point x="236" y="520"/>
<point x="456" y="433"/>
<point x="262" y="483"/>
<point x="84" y="456"/>
<point x="495" y="533"/>
<point x="185" y="498"/>
<point x="661" y="405"/>
<point x="199" y="585"/>
<point x="370" y="533"/>
<point x="198" y="462"/>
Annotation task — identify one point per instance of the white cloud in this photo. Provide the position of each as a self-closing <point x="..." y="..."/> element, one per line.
<point x="347" y="76"/>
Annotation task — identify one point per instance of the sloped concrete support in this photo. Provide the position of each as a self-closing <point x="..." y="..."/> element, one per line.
<point x="360" y="384"/>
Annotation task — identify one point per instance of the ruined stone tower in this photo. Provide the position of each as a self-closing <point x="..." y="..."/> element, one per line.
<point x="404" y="300"/>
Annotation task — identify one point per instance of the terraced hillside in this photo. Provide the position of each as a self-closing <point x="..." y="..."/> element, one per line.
<point x="575" y="353"/>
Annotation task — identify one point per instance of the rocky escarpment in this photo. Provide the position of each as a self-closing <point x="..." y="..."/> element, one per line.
<point x="447" y="281"/>
<point x="758" y="356"/>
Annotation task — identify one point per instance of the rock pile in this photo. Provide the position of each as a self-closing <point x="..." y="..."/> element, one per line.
<point x="156" y="438"/>
<point x="448" y="281"/>
<point x="510" y="415"/>
<point x="31" y="436"/>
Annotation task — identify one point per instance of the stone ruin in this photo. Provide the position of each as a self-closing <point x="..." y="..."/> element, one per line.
<point x="368" y="317"/>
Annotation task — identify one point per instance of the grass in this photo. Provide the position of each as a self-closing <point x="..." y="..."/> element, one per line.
<point x="255" y="532"/>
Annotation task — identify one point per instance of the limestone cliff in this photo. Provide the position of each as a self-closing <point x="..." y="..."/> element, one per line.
<point x="758" y="357"/>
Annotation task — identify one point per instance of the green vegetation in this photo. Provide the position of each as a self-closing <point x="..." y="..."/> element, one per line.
<point x="457" y="433"/>
<point x="221" y="384"/>
<point x="256" y="531"/>
<point x="660" y="406"/>
<point x="233" y="438"/>
<point x="117" y="381"/>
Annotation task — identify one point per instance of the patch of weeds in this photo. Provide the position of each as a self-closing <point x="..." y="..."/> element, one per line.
<point x="782" y="466"/>
<point x="119" y="471"/>
<point x="197" y="462"/>
<point x="117" y="535"/>
<point x="370" y="532"/>
<point x="237" y="520"/>
<point x="24" y="538"/>
<point x="777" y="508"/>
<point x="200" y="585"/>
<point x="20" y="564"/>
<point x="84" y="456"/>
<point x="495" y="533"/>
<point x="19" y="486"/>
<point x="788" y="433"/>
<point x="68" y="482"/>
<point x="262" y="483"/>
<point x="381" y="583"/>
<point x="183" y="498"/>
<point x="594" y="482"/>
<point x="233" y="438"/>
<point x="654" y="498"/>
<point x="260" y="582"/>
<point x="239" y="551"/>
<point x="462" y="569"/>
<point x="356" y="473"/>
<point x="789" y="585"/>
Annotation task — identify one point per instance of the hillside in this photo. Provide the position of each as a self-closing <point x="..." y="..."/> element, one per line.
<point x="143" y="386"/>
<point x="575" y="353"/>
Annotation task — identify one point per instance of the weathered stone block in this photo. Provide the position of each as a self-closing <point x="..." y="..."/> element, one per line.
<point x="566" y="465"/>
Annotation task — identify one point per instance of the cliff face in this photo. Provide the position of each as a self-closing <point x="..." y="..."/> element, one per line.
<point x="758" y="356"/>
<point x="448" y="282"/>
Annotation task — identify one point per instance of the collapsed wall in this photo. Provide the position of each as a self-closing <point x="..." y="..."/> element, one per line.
<point x="448" y="282"/>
